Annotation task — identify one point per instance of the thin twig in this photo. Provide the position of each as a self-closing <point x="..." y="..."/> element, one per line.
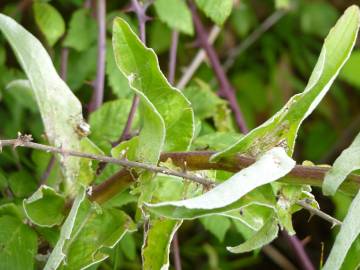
<point x="253" y="37"/>
<point x="226" y="89"/>
<point x="172" y="56"/>
<point x="98" y="94"/>
<point x="176" y="252"/>
<point x="200" y="160"/>
<point x="198" y="59"/>
<point x="314" y="211"/>
<point x="278" y="258"/>
<point x="140" y="11"/>
<point x="64" y="57"/>
<point x="24" y="141"/>
<point x="47" y="171"/>
<point x="299" y="251"/>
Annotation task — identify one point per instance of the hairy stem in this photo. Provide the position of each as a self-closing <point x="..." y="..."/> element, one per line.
<point x="226" y="89"/>
<point x="98" y="94"/>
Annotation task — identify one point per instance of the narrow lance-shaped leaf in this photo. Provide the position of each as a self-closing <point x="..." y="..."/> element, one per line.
<point x="227" y="196"/>
<point x="349" y="231"/>
<point x="348" y="161"/>
<point x="264" y="236"/>
<point x="58" y="255"/>
<point x="157" y="244"/>
<point x="282" y="128"/>
<point x="140" y="65"/>
<point x="60" y="109"/>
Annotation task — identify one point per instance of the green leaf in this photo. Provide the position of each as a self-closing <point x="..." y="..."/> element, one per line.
<point x="58" y="255"/>
<point x="263" y="237"/>
<point x="95" y="230"/>
<point x="349" y="231"/>
<point x="217" y="225"/>
<point x="282" y="128"/>
<point x="162" y="105"/>
<point x="279" y="4"/>
<point x="216" y="140"/>
<point x="128" y="246"/>
<point x="82" y="30"/>
<point x="50" y="22"/>
<point x="88" y="167"/>
<point x="87" y="233"/>
<point x="317" y="18"/>
<point x="175" y="14"/>
<point x="18" y="244"/>
<point x="227" y="196"/>
<point x="11" y="209"/>
<point x="216" y="10"/>
<point x="45" y="207"/>
<point x="348" y="161"/>
<point x="350" y="71"/>
<point x="157" y="245"/>
<point x="103" y="120"/>
<point x="214" y="107"/>
<point x="352" y="259"/>
<point x="81" y="67"/>
<point x="253" y="216"/>
<point x="60" y="110"/>
<point x="22" y="184"/>
<point x="22" y="92"/>
<point x="118" y="82"/>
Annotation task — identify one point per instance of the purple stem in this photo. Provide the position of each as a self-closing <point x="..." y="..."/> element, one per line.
<point x="171" y="78"/>
<point x="98" y="94"/>
<point x="226" y="89"/>
<point x="299" y="251"/>
<point x="176" y="252"/>
<point x="64" y="57"/>
<point x="172" y="56"/>
<point x="140" y="12"/>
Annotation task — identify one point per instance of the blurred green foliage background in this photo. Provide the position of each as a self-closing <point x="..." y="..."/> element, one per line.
<point x="265" y="76"/>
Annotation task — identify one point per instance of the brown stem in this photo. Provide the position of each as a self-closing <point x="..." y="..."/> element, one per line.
<point x="197" y="160"/>
<point x="225" y="86"/>
<point x="25" y="141"/>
